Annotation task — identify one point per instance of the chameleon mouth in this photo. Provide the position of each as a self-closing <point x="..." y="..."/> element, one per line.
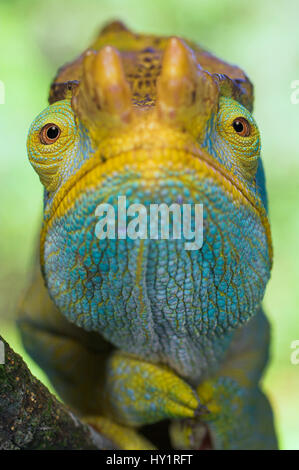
<point x="147" y="165"/>
<point x="201" y="160"/>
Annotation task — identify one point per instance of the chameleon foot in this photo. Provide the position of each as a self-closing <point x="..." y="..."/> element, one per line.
<point x="138" y="392"/>
<point x="238" y="418"/>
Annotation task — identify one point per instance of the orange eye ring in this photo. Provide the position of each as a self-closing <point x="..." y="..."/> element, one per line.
<point x="49" y="134"/>
<point x="241" y="126"/>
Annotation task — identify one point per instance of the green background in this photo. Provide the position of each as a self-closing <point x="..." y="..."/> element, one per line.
<point x="261" y="36"/>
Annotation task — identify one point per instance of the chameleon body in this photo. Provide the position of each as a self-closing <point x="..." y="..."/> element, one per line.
<point x="133" y="332"/>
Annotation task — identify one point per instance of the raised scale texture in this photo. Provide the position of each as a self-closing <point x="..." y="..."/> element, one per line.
<point x="136" y="331"/>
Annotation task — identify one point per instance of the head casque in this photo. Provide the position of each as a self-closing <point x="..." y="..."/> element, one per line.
<point x="157" y="120"/>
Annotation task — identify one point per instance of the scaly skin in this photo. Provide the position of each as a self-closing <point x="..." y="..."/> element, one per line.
<point x="132" y="332"/>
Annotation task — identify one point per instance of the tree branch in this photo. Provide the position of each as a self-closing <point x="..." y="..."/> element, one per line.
<point x="32" y="418"/>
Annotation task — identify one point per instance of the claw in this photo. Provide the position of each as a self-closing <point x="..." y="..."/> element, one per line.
<point x="201" y="410"/>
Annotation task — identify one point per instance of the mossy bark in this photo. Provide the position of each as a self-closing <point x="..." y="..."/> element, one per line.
<point x="32" y="418"/>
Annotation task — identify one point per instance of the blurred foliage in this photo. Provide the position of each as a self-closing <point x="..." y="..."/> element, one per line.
<point x="37" y="36"/>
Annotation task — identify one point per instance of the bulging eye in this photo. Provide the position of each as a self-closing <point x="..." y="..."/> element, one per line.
<point x="242" y="126"/>
<point x="49" y="134"/>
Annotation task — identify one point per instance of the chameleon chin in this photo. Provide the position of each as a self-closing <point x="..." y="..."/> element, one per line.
<point x="136" y="333"/>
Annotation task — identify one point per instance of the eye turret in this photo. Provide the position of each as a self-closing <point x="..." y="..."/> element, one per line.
<point x="239" y="136"/>
<point x="51" y="141"/>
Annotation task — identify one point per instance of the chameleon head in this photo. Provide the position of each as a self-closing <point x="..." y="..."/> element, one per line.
<point x="157" y="121"/>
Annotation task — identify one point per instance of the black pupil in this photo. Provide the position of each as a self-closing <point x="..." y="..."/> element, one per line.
<point x="52" y="132"/>
<point x="238" y="126"/>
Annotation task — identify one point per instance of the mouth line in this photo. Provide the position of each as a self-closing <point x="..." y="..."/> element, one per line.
<point x="200" y="156"/>
<point x="216" y="171"/>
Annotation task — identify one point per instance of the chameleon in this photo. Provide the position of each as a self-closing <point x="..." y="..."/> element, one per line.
<point x="154" y="345"/>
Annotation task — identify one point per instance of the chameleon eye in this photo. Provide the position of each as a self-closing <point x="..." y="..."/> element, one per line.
<point x="49" y="134"/>
<point x="241" y="126"/>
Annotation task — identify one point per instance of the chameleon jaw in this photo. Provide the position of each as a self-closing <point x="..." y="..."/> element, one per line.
<point x="145" y="163"/>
